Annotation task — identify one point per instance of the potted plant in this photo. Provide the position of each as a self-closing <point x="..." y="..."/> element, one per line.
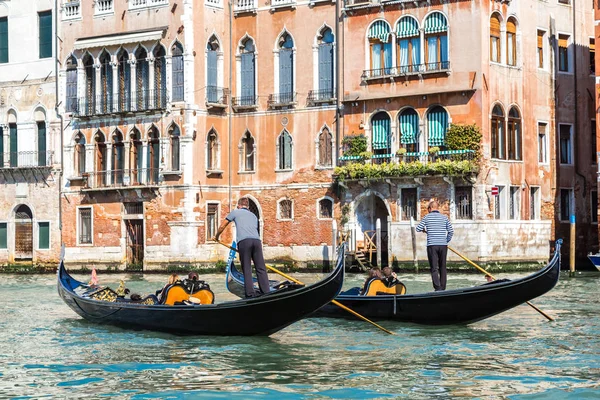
<point x="433" y="153"/>
<point x="400" y="153"/>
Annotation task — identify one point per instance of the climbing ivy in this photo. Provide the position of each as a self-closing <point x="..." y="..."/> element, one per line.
<point x="464" y="137"/>
<point x="354" y="145"/>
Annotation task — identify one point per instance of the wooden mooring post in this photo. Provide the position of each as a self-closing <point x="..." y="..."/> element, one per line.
<point x="572" y="247"/>
<point x="378" y="241"/>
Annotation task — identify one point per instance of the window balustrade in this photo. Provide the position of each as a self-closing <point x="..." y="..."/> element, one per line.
<point x="72" y="10"/>
<point x="245" y="5"/>
<point x="405" y="70"/>
<point x="26" y="159"/>
<point x="121" y="178"/>
<point x="217" y="95"/>
<point x="282" y="99"/>
<point x="104" y="7"/>
<point x="136" y="4"/>
<point x="321" y="96"/>
<point x="147" y="100"/>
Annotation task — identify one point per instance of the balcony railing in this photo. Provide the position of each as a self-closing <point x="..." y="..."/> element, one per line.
<point x="321" y="96"/>
<point x="245" y="5"/>
<point x="350" y="3"/>
<point x="282" y="3"/>
<point x="282" y="99"/>
<point x="135" y="4"/>
<point x="217" y="95"/>
<point x="423" y="157"/>
<point x="148" y="100"/>
<point x="26" y="159"/>
<point x="121" y="178"/>
<point x="244" y="101"/>
<point x="405" y="70"/>
<point x="104" y="7"/>
<point x="71" y="10"/>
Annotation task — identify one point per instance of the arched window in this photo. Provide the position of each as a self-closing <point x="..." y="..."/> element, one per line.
<point x="101" y="161"/>
<point x="106" y="84"/>
<point x="380" y="48"/>
<point x="212" y="149"/>
<point x="142" y="79"/>
<point x="497" y="133"/>
<point x="118" y="158"/>
<point x="436" y="42"/>
<point x="79" y="161"/>
<point x="248" y="77"/>
<point x="286" y="69"/>
<point x="325" y="208"/>
<point x="174" y="135"/>
<point x="13" y="139"/>
<point x="325" y="148"/>
<point x="437" y="125"/>
<point x="153" y="155"/>
<point x="71" y="95"/>
<point x="285" y="209"/>
<point x="160" y="78"/>
<point x="381" y="134"/>
<point x="495" y="38"/>
<point x="514" y="135"/>
<point x="247" y="151"/>
<point x="90" y="85"/>
<point x="212" y="71"/>
<point x="136" y="166"/>
<point x="284" y="150"/>
<point x="511" y="41"/>
<point x="409" y="130"/>
<point x="40" y="121"/>
<point x="326" y="66"/>
<point x="177" y="71"/>
<point x="124" y="81"/>
<point x="409" y="45"/>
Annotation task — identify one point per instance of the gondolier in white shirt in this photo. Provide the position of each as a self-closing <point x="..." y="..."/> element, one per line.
<point x="439" y="233"/>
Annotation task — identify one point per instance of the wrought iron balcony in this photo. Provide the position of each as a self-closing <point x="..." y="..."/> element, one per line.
<point x="406" y="70"/>
<point x="217" y="96"/>
<point x="282" y="99"/>
<point x="321" y="96"/>
<point x="26" y="159"/>
<point x="148" y="100"/>
<point x="121" y="178"/>
<point x="409" y="157"/>
<point x="244" y="102"/>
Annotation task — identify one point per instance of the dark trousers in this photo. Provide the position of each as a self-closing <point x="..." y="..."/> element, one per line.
<point x="437" y="263"/>
<point x="251" y="250"/>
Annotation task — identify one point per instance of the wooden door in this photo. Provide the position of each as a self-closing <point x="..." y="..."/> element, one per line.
<point x="135" y="241"/>
<point x="23" y="233"/>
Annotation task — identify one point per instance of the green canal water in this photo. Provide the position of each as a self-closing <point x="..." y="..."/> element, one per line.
<point x="47" y="351"/>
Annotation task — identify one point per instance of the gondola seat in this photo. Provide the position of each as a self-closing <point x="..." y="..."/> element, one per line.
<point x="377" y="287"/>
<point x="178" y="294"/>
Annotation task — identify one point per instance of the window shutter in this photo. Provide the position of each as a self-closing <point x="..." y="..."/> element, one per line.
<point x="409" y="127"/>
<point x="71" y="89"/>
<point x="285" y="73"/>
<point x="287" y="151"/>
<point x="177" y="71"/>
<point x="511" y="27"/>
<point x="248" y="78"/>
<point x="211" y="79"/>
<point x="3" y="40"/>
<point x="44" y="235"/>
<point x="494" y="26"/>
<point x="41" y="137"/>
<point x="437" y="123"/>
<point x="3" y="235"/>
<point x="326" y="69"/>
<point x="592" y="45"/>
<point x="13" y="145"/>
<point x="562" y="41"/>
<point x="45" y="34"/>
<point x="540" y="39"/>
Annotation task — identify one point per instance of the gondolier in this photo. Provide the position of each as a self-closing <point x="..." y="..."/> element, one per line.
<point x="439" y="233"/>
<point x="249" y="246"/>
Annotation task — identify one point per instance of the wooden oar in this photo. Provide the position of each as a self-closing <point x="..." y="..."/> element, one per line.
<point x="491" y="276"/>
<point x="337" y="303"/>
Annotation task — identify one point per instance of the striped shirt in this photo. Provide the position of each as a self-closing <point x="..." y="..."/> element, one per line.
<point x="439" y="229"/>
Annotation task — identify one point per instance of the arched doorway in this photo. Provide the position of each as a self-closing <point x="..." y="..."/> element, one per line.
<point x="256" y="211"/>
<point x="367" y="210"/>
<point x="23" y="233"/>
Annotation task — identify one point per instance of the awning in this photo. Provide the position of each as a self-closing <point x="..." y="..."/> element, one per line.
<point x="407" y="27"/>
<point x="436" y="23"/>
<point x="437" y="124"/>
<point x="380" y="30"/>
<point x="147" y="35"/>
<point x="381" y="130"/>
<point x="409" y="127"/>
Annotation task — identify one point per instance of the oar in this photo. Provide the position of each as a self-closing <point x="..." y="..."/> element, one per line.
<point x="491" y="276"/>
<point x="337" y="303"/>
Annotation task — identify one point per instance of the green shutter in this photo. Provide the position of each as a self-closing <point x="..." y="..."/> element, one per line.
<point x="409" y="126"/>
<point x="45" y="25"/>
<point x="407" y="27"/>
<point x="381" y="131"/>
<point x="3" y="235"/>
<point x="44" y="235"/>
<point x="437" y="124"/>
<point x="436" y="23"/>
<point x="3" y="40"/>
<point x="380" y="30"/>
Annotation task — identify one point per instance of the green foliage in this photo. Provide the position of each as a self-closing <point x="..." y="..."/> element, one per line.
<point x="345" y="218"/>
<point x="366" y="155"/>
<point x="382" y="171"/>
<point x="221" y="266"/>
<point x="464" y="137"/>
<point x="434" y="150"/>
<point x="401" y="151"/>
<point x="354" y="145"/>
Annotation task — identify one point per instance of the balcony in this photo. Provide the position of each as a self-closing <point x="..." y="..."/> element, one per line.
<point x="104" y="7"/>
<point x="316" y="97"/>
<point x="71" y="10"/>
<point x="121" y="179"/>
<point x="278" y="100"/>
<point x="245" y="6"/>
<point x="406" y="70"/>
<point x="26" y="159"/>
<point x="355" y="3"/>
<point x="137" y="4"/>
<point x="244" y="103"/>
<point x="149" y="100"/>
<point x="282" y="4"/>
<point x="217" y="97"/>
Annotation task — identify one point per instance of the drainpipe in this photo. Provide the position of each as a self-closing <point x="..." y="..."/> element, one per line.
<point x="230" y="108"/>
<point x="60" y="116"/>
<point x="338" y="50"/>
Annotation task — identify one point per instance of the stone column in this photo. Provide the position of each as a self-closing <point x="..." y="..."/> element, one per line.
<point x="144" y="156"/>
<point x="109" y="163"/>
<point x="151" y="89"/>
<point x="132" y="81"/>
<point x="115" y="86"/>
<point x="98" y="89"/>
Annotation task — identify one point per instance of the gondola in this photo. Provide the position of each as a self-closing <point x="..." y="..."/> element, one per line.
<point x="595" y="259"/>
<point x="263" y="315"/>
<point x="457" y="306"/>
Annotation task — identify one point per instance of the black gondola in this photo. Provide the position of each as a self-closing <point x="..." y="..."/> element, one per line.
<point x="457" y="306"/>
<point x="263" y="315"/>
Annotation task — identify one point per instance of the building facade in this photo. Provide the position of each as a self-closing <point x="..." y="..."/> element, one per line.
<point x="30" y="147"/>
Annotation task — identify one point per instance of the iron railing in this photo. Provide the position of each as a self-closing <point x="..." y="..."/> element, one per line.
<point x="26" y="159"/>
<point x="217" y="95"/>
<point x="244" y="101"/>
<point x="119" y="178"/>
<point x="108" y="103"/>
<point x="282" y="99"/>
<point x="423" y="157"/>
<point x="404" y="70"/>
<point x="321" y="96"/>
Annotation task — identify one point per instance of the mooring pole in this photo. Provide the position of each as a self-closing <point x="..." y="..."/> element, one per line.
<point x="378" y="241"/>
<point x="572" y="248"/>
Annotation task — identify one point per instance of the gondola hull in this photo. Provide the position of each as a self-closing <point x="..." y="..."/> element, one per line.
<point x="595" y="259"/>
<point x="264" y="315"/>
<point x="458" y="306"/>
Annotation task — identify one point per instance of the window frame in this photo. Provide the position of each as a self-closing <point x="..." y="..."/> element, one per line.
<point x="243" y="154"/>
<point x="546" y="144"/>
<point x="500" y="204"/>
<point x="4" y="246"/>
<point x="217" y="219"/>
<point x="401" y="203"/>
<point x="498" y="52"/>
<point x="41" y="43"/>
<point x="500" y="142"/>
<point x="536" y="204"/>
<point x="592" y="55"/>
<point x="78" y="227"/>
<point x="39" y="233"/>
<point x="514" y="203"/>
<point x="469" y="191"/>
<point x="319" y="200"/>
<point x="568" y="59"/>
<point x="281" y="152"/>
<point x="541" y="50"/>
<point x="570" y="154"/>
<point x="514" y="41"/>
<point x="279" y="217"/>
<point x="571" y="204"/>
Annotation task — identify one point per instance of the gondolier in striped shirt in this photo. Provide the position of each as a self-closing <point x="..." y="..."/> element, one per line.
<point x="439" y="233"/>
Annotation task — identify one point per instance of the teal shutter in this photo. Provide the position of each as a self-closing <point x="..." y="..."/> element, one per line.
<point x="286" y="57"/>
<point x="381" y="129"/>
<point x="407" y="27"/>
<point x="3" y="40"/>
<point x="13" y="146"/>
<point x="44" y="235"/>
<point x="248" y="90"/>
<point x="285" y="151"/>
<point x="326" y="70"/>
<point x="409" y="127"/>
<point x="211" y="69"/>
<point x="3" y="235"/>
<point x="437" y="124"/>
<point x="41" y="137"/>
<point x="45" y="26"/>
